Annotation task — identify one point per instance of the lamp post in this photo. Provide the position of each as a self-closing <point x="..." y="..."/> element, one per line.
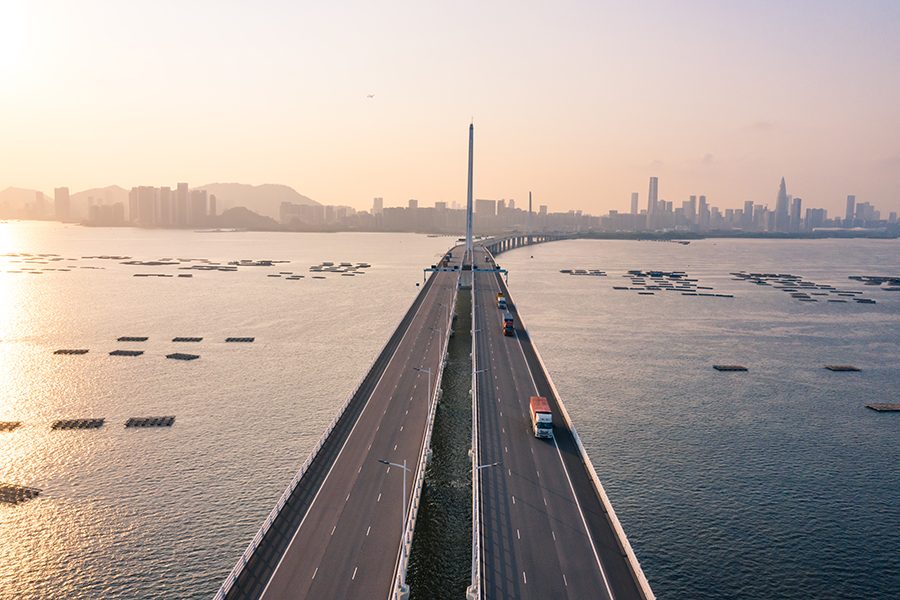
<point x="403" y="524"/>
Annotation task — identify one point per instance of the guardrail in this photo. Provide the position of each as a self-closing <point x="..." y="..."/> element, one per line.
<point x="399" y="589"/>
<point x="474" y="590"/>
<point x="238" y="568"/>
<point x="641" y="579"/>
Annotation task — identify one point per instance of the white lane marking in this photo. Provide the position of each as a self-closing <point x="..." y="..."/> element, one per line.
<point x="553" y="533"/>
<point x="348" y="498"/>
<point x="395" y="447"/>
<point x="545" y="501"/>
<point x="514" y="501"/>
<point x="565" y="581"/>
<point x="368" y="529"/>
<point x="569" y="479"/>
<point x="506" y="448"/>
<point x="314" y="572"/>
<point x="379" y="497"/>
<point x="524" y="578"/>
<point x="401" y="428"/>
<point x="332" y="529"/>
<point x="360" y="469"/>
<point x="344" y="445"/>
<point x="509" y="471"/>
<point x="518" y="535"/>
<point x="354" y="572"/>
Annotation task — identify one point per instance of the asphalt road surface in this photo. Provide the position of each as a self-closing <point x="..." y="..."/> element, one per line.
<point x="544" y="532"/>
<point x="348" y="543"/>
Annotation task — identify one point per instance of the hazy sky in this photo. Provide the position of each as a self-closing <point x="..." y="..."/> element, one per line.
<point x="579" y="101"/>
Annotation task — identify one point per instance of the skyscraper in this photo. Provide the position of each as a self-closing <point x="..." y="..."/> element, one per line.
<point x="61" y="204"/>
<point x="377" y="206"/>
<point x="198" y="210"/>
<point x="795" y="214"/>
<point x="781" y="208"/>
<point x="652" y="195"/>
<point x="182" y="195"/>
<point x="634" y="203"/>
<point x="851" y="210"/>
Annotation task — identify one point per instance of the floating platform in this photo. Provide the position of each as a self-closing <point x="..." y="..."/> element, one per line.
<point x="78" y="424"/>
<point x="187" y="339"/>
<point x="71" y="351"/>
<point x="842" y="368"/>
<point x="182" y="356"/>
<point x="9" y="425"/>
<point x="884" y="407"/>
<point x="132" y="338"/>
<point x="150" y="422"/>
<point x="244" y="340"/>
<point x="126" y="352"/>
<point x="730" y="368"/>
<point x="11" y="493"/>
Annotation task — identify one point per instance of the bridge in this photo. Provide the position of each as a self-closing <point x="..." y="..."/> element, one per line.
<point x="542" y="524"/>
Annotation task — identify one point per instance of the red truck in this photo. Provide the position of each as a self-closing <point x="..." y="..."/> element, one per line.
<point x="508" y="324"/>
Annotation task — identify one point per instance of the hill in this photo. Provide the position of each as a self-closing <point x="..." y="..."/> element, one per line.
<point x="263" y="199"/>
<point x="243" y="218"/>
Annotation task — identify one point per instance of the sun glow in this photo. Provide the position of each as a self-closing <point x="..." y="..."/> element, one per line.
<point x="13" y="35"/>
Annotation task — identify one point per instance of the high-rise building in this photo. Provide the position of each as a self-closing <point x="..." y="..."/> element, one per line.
<point x="62" y="207"/>
<point x="690" y="210"/>
<point x="703" y="214"/>
<point x="198" y="209"/>
<point x="511" y="204"/>
<point x="851" y="211"/>
<point x="747" y="217"/>
<point x="501" y="206"/>
<point x="146" y="198"/>
<point x="441" y="206"/>
<point x="413" y="204"/>
<point x="212" y="205"/>
<point x="377" y="206"/>
<point x="486" y="208"/>
<point x="795" y="214"/>
<point x="782" y="222"/>
<point x="182" y="201"/>
<point x="652" y="195"/>
<point x="165" y="218"/>
<point x="634" y="202"/>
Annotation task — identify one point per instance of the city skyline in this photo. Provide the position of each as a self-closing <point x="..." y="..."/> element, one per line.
<point x="578" y="117"/>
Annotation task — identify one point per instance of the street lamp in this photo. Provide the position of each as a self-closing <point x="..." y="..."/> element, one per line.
<point x="494" y="464"/>
<point x="403" y="524"/>
<point x="429" y="378"/>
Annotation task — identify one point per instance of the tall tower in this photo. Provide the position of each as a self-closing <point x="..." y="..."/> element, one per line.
<point x="469" y="256"/>
<point x="782" y="215"/>
<point x="528" y="226"/>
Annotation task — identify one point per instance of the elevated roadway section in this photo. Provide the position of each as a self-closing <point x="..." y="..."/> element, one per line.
<point x="338" y="531"/>
<point x="545" y="527"/>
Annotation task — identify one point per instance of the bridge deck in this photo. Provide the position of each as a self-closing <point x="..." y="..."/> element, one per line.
<point x="340" y="534"/>
<point x="544" y="530"/>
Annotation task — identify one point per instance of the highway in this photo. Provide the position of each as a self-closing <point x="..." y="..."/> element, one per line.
<point x="544" y="531"/>
<point x="347" y="544"/>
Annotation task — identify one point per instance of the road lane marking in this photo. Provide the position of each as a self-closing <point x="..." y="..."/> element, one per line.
<point x="368" y="529"/>
<point x="565" y="581"/>
<point x="349" y="435"/>
<point x="518" y="535"/>
<point x="395" y="447"/>
<point x="332" y="529"/>
<point x="553" y="533"/>
<point x="524" y="578"/>
<point x="514" y="501"/>
<point x="314" y="572"/>
<point x="569" y="479"/>
<point x="348" y="498"/>
<point x="354" y="572"/>
<point x="379" y="497"/>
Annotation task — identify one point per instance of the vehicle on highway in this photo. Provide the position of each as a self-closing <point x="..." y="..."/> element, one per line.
<point x="541" y="417"/>
<point x="508" y="324"/>
<point x="501" y="301"/>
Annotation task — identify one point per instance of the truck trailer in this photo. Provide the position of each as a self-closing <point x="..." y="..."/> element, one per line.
<point x="541" y="417"/>
<point x="508" y="324"/>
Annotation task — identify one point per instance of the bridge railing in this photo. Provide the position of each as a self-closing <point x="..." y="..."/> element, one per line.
<point x="474" y="590"/>
<point x="241" y="564"/>
<point x="636" y="569"/>
<point x="400" y="590"/>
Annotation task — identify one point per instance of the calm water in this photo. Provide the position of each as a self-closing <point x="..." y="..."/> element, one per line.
<point x="166" y="512"/>
<point x="776" y="483"/>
